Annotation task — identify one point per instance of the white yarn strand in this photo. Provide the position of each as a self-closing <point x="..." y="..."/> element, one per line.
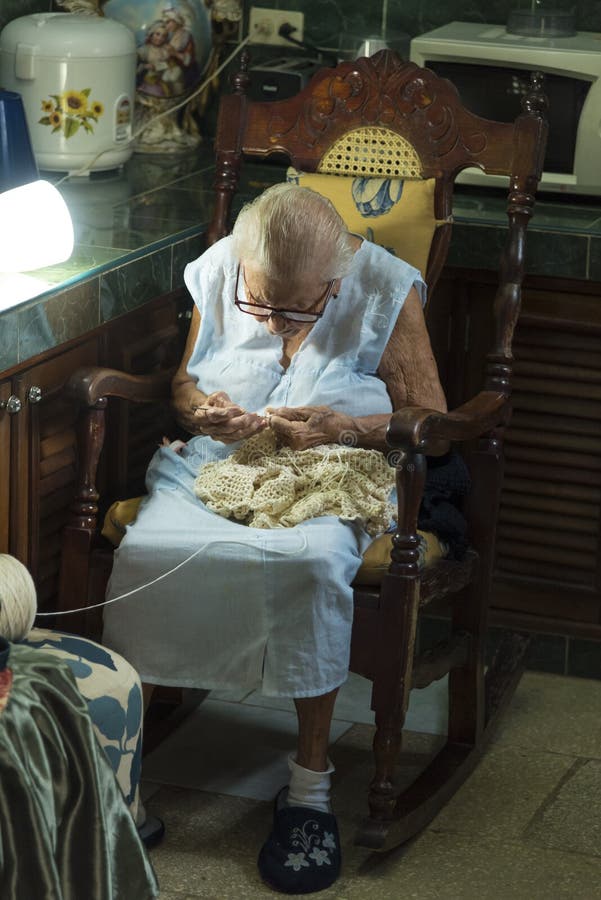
<point x="18" y="601"/>
<point x="141" y="587"/>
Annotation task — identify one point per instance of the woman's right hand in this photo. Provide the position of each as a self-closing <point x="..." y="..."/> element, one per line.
<point x="218" y="417"/>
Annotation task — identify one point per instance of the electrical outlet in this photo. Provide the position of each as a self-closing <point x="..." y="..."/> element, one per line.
<point x="264" y="24"/>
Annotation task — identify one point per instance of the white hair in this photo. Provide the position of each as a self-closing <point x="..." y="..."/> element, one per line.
<point x="291" y="232"/>
<point x="170" y="12"/>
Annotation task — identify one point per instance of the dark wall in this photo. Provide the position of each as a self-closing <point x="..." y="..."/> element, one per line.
<point x="327" y="20"/>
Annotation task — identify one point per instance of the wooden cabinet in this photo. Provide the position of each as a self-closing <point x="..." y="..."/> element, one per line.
<point x="38" y="460"/>
<point x="549" y="535"/>
<point x="548" y="550"/>
<point x="37" y="439"/>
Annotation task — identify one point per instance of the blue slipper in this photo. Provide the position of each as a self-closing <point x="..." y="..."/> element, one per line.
<point x="302" y="853"/>
<point x="152" y="831"/>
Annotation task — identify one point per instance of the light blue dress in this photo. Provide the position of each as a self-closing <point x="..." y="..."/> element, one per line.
<point x="254" y="608"/>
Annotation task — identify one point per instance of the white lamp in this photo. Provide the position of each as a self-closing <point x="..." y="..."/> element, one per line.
<point x="35" y="228"/>
<point x="35" y="231"/>
<point x="35" y="225"/>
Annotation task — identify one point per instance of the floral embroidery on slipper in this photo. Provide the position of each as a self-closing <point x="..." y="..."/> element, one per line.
<point x="297" y="861"/>
<point x="329" y="840"/>
<point x="302" y="837"/>
<point x="302" y="854"/>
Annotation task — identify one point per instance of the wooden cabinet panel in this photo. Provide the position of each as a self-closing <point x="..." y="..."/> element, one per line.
<point x="548" y="538"/>
<point x="548" y="551"/>
<point x="44" y="441"/>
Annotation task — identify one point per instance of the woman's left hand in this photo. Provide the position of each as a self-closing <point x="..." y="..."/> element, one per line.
<point x="301" y="427"/>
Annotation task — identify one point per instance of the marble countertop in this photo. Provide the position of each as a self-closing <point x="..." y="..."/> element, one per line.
<point x="135" y="229"/>
<point x="121" y="215"/>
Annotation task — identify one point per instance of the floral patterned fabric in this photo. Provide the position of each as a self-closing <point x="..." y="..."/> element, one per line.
<point x="113" y="693"/>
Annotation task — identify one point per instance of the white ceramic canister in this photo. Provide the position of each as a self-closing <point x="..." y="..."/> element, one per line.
<point x="77" y="77"/>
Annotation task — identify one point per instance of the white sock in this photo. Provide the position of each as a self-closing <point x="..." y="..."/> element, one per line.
<point x="308" y="788"/>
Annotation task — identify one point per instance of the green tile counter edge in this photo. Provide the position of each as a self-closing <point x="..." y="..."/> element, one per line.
<point x="136" y="230"/>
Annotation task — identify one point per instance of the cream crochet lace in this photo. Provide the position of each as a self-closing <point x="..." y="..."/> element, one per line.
<point x="270" y="487"/>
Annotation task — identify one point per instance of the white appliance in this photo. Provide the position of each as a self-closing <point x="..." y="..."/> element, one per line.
<point x="77" y="77"/>
<point x="489" y="66"/>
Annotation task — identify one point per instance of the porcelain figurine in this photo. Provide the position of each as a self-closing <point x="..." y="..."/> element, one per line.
<point x="179" y="43"/>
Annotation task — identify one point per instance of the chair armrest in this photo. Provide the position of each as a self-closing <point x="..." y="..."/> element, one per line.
<point x="89" y="384"/>
<point x="414" y="428"/>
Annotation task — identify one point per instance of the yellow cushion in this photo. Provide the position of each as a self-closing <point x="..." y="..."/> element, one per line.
<point x="395" y="213"/>
<point x="376" y="558"/>
<point x="120" y="514"/>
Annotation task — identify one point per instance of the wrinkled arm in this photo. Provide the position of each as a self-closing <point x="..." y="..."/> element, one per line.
<point x="409" y="372"/>
<point x="408" y="367"/>
<point x="184" y="391"/>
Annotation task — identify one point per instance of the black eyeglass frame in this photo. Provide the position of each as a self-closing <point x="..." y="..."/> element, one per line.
<point x="308" y="318"/>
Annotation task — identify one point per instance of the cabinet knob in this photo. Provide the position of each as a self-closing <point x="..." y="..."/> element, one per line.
<point x="12" y="405"/>
<point x="34" y="394"/>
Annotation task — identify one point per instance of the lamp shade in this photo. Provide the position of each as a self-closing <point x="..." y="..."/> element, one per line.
<point x="17" y="162"/>
<point x="35" y="228"/>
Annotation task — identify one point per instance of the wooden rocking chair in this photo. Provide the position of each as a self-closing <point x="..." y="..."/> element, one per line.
<point x="381" y="118"/>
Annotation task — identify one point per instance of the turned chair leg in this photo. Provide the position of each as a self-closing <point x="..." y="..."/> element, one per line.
<point x="387" y="747"/>
<point x="391" y="690"/>
<point x="466" y="683"/>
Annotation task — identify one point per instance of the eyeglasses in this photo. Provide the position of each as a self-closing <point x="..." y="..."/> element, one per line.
<point x="291" y="315"/>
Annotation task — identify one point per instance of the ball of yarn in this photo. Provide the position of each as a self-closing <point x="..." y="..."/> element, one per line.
<point x="18" y="601"/>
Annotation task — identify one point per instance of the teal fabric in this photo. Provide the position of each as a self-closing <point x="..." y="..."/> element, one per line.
<point x="66" y="832"/>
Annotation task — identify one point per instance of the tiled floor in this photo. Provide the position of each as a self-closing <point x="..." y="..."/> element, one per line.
<point x="525" y="826"/>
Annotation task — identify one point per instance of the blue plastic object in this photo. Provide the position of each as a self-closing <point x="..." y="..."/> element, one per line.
<point x="17" y="162"/>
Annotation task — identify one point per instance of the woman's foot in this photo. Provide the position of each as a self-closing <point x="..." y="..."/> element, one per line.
<point x="302" y="853"/>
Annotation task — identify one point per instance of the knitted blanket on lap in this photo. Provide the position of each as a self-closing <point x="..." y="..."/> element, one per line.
<point x="266" y="486"/>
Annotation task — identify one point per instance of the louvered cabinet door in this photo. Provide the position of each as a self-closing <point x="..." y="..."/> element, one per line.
<point x="548" y="538"/>
<point x="43" y="473"/>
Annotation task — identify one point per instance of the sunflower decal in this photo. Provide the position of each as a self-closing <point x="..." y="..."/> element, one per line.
<point x="70" y="111"/>
<point x="75" y="102"/>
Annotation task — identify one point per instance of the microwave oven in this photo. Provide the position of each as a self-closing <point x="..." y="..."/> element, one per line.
<point x="490" y="68"/>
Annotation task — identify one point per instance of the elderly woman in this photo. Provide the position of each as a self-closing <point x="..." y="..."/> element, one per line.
<point x="299" y="326"/>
